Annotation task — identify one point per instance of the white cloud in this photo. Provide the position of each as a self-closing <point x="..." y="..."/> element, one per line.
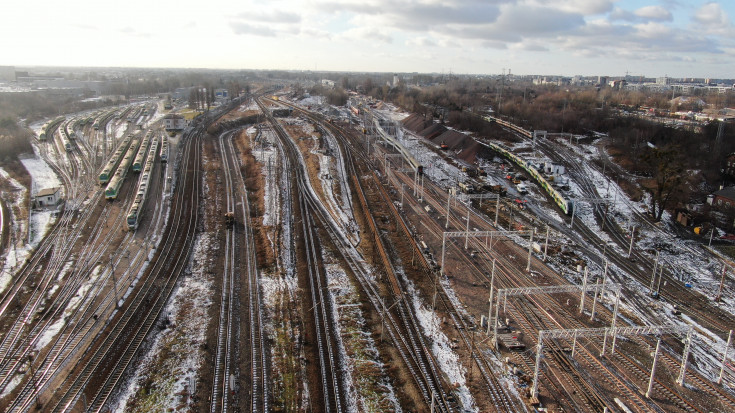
<point x="256" y="30"/>
<point x="711" y="13"/>
<point x="714" y="20"/>
<point x="275" y="16"/>
<point x="653" y="30"/>
<point x="420" y="41"/>
<point x="642" y="14"/>
<point x="654" y="13"/>
<point x="585" y="7"/>
<point x="366" y="34"/>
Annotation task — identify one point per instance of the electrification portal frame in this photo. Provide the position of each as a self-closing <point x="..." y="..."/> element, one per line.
<point x="627" y="331"/>
<point x="504" y="293"/>
<point x="484" y="234"/>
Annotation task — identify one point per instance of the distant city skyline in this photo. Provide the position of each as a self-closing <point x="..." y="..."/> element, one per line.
<point x="652" y="38"/>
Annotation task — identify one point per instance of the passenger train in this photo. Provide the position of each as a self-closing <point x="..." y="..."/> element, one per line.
<point x="114" y="161"/>
<point x="113" y="187"/>
<point x="563" y="203"/>
<point x="133" y="218"/>
<point x="139" y="161"/>
<point x="49" y="128"/>
<point x="164" y="149"/>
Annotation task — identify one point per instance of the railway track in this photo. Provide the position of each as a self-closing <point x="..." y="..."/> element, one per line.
<point x="47" y="301"/>
<point x="96" y="306"/>
<point x="401" y="324"/>
<point x="626" y="387"/>
<point x="103" y="367"/>
<point x="688" y="300"/>
<point x="220" y="399"/>
<point x="225" y="360"/>
<point x="500" y="400"/>
<point x="259" y="372"/>
<point x="37" y="314"/>
<point x="593" y="395"/>
<point x="332" y="381"/>
<point x="693" y="303"/>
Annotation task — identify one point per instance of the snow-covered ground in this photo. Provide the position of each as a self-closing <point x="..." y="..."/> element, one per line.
<point x="42" y="176"/>
<point x="684" y="257"/>
<point x="41" y="173"/>
<point x="365" y="375"/>
<point x="441" y="347"/>
<point x="175" y="355"/>
<point x="250" y="105"/>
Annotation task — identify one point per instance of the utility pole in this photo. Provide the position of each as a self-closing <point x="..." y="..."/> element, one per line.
<point x="421" y="195"/>
<point x="467" y="228"/>
<point x="584" y="289"/>
<point x="382" y="316"/>
<point x="594" y="302"/>
<point x="722" y="283"/>
<point x="497" y="209"/>
<point x="530" y="250"/>
<point x="724" y="357"/>
<point x="653" y="276"/>
<point x="449" y="198"/>
<point x="653" y="368"/>
<point x="546" y="242"/>
<point x="632" y="236"/>
<point x="660" y="277"/>
<point x="492" y="291"/>
<point x="114" y="282"/>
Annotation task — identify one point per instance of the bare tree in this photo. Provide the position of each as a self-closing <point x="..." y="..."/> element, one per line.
<point x="669" y="177"/>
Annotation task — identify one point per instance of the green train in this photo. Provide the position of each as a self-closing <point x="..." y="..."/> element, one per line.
<point x="106" y="173"/>
<point x="133" y="218"/>
<point x="139" y="161"/>
<point x="49" y="128"/>
<point x="565" y="204"/>
<point x="113" y="188"/>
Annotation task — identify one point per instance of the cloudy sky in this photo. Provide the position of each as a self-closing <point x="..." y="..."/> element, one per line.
<point x="567" y="37"/>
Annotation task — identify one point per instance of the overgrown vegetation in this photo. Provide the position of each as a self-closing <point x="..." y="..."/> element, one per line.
<point x="677" y="163"/>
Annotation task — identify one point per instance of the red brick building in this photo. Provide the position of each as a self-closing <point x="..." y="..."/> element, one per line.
<point x="724" y="197"/>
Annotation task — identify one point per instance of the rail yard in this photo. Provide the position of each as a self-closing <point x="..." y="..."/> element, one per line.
<point x="287" y="255"/>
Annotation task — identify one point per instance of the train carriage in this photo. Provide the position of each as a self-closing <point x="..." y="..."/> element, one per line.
<point x="109" y="169"/>
<point x="49" y="128"/>
<point x="133" y="217"/>
<point x="564" y="204"/>
<point x="113" y="187"/>
<point x="139" y="161"/>
<point x="164" y="149"/>
<point x="64" y="136"/>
